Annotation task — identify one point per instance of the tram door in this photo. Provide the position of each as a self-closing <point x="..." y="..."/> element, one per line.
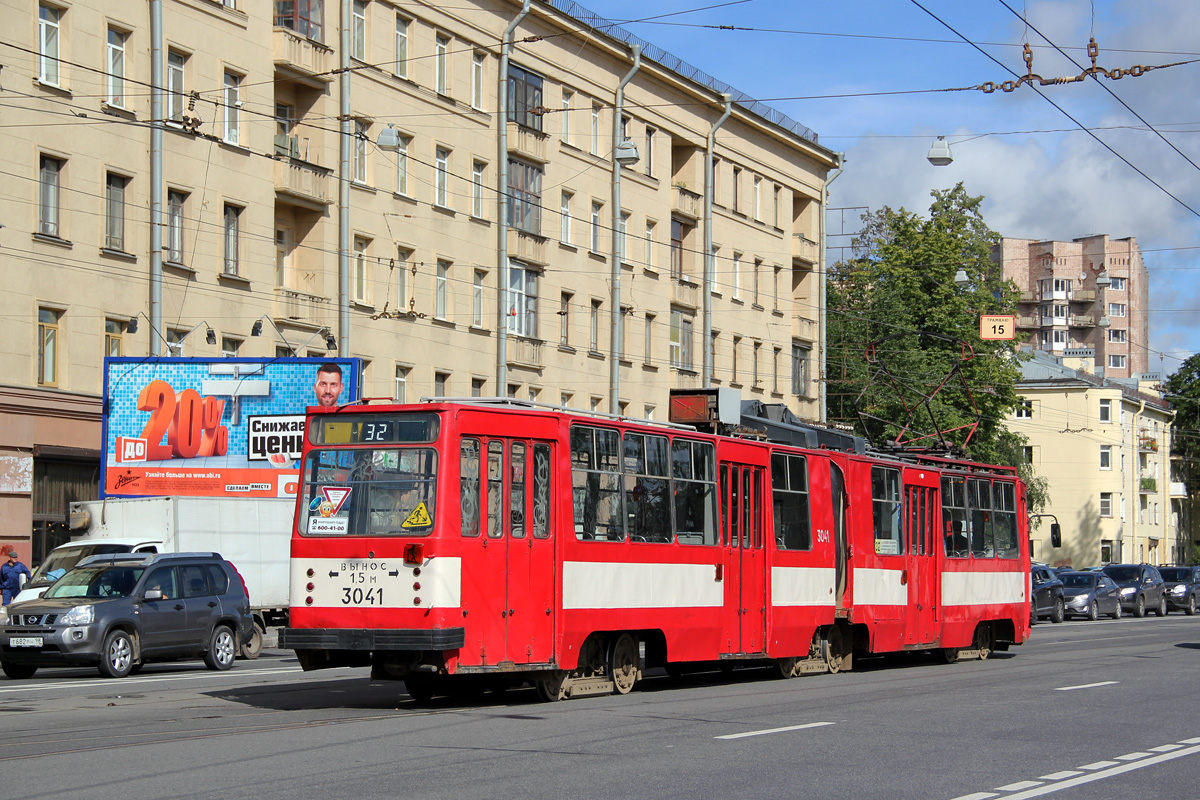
<point x="742" y="538"/>
<point x="921" y="504"/>
<point x="514" y="589"/>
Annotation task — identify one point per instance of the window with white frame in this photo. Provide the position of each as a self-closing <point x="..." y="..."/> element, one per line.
<point x="594" y="327"/>
<point x="755" y="352"/>
<point x="681" y="339"/>
<point x="1060" y="313"/>
<point x="361" y="138"/>
<point x="477" y="278"/>
<point x="757" y="198"/>
<point x="49" y="187"/>
<point x="402" y="164"/>
<point x="401" y="66"/>
<point x="115" y="92"/>
<point x="775" y="206"/>
<point x="233" y="237"/>
<point x="1117" y="335"/>
<point x="623" y="237"/>
<point x="1062" y="286"/>
<point x="775" y="270"/>
<point x="176" y="204"/>
<point x="564" y="122"/>
<point x="478" y="59"/>
<point x="403" y="265"/>
<point x="755" y="280"/>
<point x="283" y="255"/>
<point x="1059" y="339"/>
<point x="564" y="319"/>
<point x="737" y="276"/>
<point x="114" y="216"/>
<point x="441" y="66"/>
<point x="400" y="385"/>
<point x="1116" y="361"/>
<point x="358" y="30"/>
<point x="441" y="290"/>
<point x="1106" y="410"/>
<point x="1024" y="409"/>
<point x="230" y="347"/>
<point x="649" y="255"/>
<point x="735" y="352"/>
<point x="648" y="340"/>
<point x="1106" y="504"/>
<point x="1117" y="285"/>
<point x="737" y="185"/>
<point x="595" y="149"/>
<point x="231" y="132"/>
<point x="477" y="169"/>
<point x="49" y="29"/>
<point x="1116" y="309"/>
<point x="1106" y="456"/>
<point x="176" y="88"/>
<point x="441" y="180"/>
<point x="362" y="287"/>
<point x="648" y="156"/>
<point x="564" y="217"/>
<point x="525" y="196"/>
<point x="594" y="243"/>
<point x="775" y="356"/>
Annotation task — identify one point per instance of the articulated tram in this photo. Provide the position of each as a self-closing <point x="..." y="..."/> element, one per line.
<point x="457" y="543"/>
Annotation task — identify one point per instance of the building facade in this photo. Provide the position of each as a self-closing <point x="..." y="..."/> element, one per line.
<point x="1091" y="292"/>
<point x="1104" y="446"/>
<point x="492" y="247"/>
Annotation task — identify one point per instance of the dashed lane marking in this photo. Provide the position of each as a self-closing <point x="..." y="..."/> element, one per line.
<point x="1085" y="686"/>
<point x="773" y="730"/>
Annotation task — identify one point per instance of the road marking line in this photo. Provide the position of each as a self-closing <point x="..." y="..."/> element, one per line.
<point x="1131" y="756"/>
<point x="977" y="796"/>
<point x="773" y="730"/>
<point x="1099" y="765"/>
<point x="1016" y="787"/>
<point x="1191" y="741"/>
<point x="131" y="682"/>
<point x="1058" y="776"/>
<point x="1085" y="686"/>
<point x="1112" y="772"/>
<point x="1165" y="748"/>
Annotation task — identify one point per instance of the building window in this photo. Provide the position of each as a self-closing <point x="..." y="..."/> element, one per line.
<point x="648" y="340"/>
<point x="801" y="356"/>
<point x="524" y="97"/>
<point x="1116" y="362"/>
<point x="477" y="62"/>
<point x="565" y="398"/>
<point x="306" y="19"/>
<point x="442" y="290"/>
<point x="1117" y="285"/>
<point x="775" y="287"/>
<point x="775" y="207"/>
<point x="594" y="327"/>
<point x="677" y="234"/>
<point x="176" y="202"/>
<point x="681" y="340"/>
<point x="1117" y="336"/>
<point x="737" y="276"/>
<point x="49" y="185"/>
<point x="47" y="363"/>
<point x="49" y="18"/>
<point x="176" y="93"/>
<point x="1116" y="309"/>
<point x="113" y="332"/>
<point x="737" y="185"/>
<point x="283" y="255"/>
<point x="522" y="300"/>
<point x="233" y="106"/>
<point x="648" y="156"/>
<point x="400" y="387"/>
<point x="1106" y="456"/>
<point x="402" y="257"/>
<point x="232" y="236"/>
<point x="649" y="256"/>
<point x="734" y="351"/>
<point x="623" y="237"/>
<point x="1024" y="409"/>
<point x="564" y="218"/>
<point x="402" y="165"/>
<point x="594" y="244"/>
<point x="754" y="358"/>
<point x="755" y="279"/>
<point x="1106" y="410"/>
<point x="358" y="30"/>
<point x="441" y="46"/>
<point x="401" y="68"/>
<point x="565" y="116"/>
<point x="114" y="211"/>
<point x="525" y="196"/>
<point x="230" y="347"/>
<point x="477" y="279"/>
<point x="1026" y="454"/>
<point x="361" y="279"/>
<point x="361" y="138"/>
<point x="442" y="178"/>
<point x="477" y="168"/>
<point x="1059" y="339"/>
<point x="775" y="354"/>
<point x="564" y="319"/>
<point x="115" y="94"/>
<point x="757" y="198"/>
<point x="441" y="384"/>
<point x="1106" y="507"/>
<point x="595" y="150"/>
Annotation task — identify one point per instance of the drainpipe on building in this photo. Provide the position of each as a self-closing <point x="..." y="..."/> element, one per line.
<point x="614" y="348"/>
<point x="822" y="284"/>
<point x="502" y="208"/>
<point x="156" y="175"/>
<point x="709" y="265"/>
<point x="346" y="139"/>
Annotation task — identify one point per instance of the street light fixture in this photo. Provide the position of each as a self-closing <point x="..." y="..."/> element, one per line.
<point x="330" y="339"/>
<point x="961" y="280"/>
<point x="626" y="153"/>
<point x="939" y="153"/>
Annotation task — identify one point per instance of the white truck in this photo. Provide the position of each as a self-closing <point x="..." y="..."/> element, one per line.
<point x="252" y="534"/>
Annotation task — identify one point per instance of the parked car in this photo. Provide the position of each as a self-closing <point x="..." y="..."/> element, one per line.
<point x="65" y="556"/>
<point x="118" y="612"/>
<point x="1046" y="599"/>
<point x="1090" y="594"/>
<point x="1182" y="585"/>
<point x="1060" y="570"/>
<point x="1141" y="588"/>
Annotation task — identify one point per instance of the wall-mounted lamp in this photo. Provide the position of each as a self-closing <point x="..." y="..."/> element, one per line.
<point x="330" y="341"/>
<point x="939" y="153"/>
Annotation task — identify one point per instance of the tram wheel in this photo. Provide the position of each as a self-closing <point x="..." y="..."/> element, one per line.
<point x="983" y="641"/>
<point x="950" y="655"/>
<point x="420" y="688"/>
<point x="551" y="690"/>
<point x="623" y="663"/>
<point x="786" y="667"/>
<point x="836" y="656"/>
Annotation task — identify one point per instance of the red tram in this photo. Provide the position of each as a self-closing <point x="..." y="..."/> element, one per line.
<point x="502" y="539"/>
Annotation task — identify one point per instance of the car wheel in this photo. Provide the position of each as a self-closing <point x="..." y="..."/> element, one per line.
<point x="222" y="649"/>
<point x="1190" y="610"/>
<point x="1162" y="607"/>
<point x="1117" y="614"/>
<point x="1139" y="609"/>
<point x="1060" y="611"/>
<point x="117" y="657"/>
<point x="18" y="672"/>
<point x="1094" y="611"/>
<point x="252" y="647"/>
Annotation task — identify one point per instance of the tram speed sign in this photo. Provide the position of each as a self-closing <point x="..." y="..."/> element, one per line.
<point x="997" y="326"/>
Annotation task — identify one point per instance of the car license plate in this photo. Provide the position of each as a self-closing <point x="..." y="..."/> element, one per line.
<point x="25" y="641"/>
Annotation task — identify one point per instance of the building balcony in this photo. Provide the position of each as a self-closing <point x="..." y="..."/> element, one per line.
<point x="301" y="59"/>
<point x="524" y="352"/>
<point x="1027" y="322"/>
<point x="1147" y="443"/>
<point x="1082" y="321"/>
<point x="686" y="379"/>
<point x="685" y="203"/>
<point x="1028" y="297"/>
<point x="303" y="183"/>
<point x="805" y="328"/>
<point x="804" y="249"/>
<point x="1083" y="296"/>
<point x="685" y="293"/>
<point x="1178" y="489"/>
<point x="1147" y="486"/>
<point x="297" y="308"/>
<point x="527" y="143"/>
<point x="528" y="247"/>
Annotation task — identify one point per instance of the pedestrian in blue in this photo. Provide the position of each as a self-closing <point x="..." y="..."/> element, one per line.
<point x="10" y="576"/>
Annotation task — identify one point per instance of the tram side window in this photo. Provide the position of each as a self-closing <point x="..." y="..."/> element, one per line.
<point x="516" y="502"/>
<point x="789" y="495"/>
<point x="541" y="491"/>
<point x="885" y="511"/>
<point x="694" y="474"/>
<point x="954" y="517"/>
<point x="1004" y="496"/>
<point x="979" y="491"/>
<point x="495" y="489"/>
<point x="468" y="485"/>
<point x="647" y="484"/>
<point x="596" y="484"/>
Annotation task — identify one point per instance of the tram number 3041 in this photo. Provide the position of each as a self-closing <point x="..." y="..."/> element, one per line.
<point x="359" y="596"/>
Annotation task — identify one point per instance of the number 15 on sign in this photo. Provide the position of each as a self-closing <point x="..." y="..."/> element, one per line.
<point x="997" y="326"/>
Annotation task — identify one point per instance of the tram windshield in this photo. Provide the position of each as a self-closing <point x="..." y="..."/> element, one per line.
<point x="362" y="491"/>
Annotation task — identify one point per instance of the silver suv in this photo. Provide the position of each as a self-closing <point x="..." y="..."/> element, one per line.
<point x="120" y="611"/>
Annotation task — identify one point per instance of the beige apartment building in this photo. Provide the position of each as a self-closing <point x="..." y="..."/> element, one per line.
<point x="1104" y="445"/>
<point x="429" y="187"/>
<point x="1090" y="292"/>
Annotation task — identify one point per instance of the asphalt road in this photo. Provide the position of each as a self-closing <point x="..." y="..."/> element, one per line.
<point x="1085" y="710"/>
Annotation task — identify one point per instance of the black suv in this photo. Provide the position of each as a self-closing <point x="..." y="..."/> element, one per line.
<point x="1142" y="588"/>
<point x="120" y="611"/>
<point x="1046" y="599"/>
<point x="1182" y="587"/>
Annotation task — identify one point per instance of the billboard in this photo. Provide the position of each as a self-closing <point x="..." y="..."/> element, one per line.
<point x="219" y="427"/>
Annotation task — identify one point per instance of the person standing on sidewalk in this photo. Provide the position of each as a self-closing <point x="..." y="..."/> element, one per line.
<point x="10" y="576"/>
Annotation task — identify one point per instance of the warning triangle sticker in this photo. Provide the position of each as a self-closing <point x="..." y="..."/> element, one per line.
<point x="336" y="495"/>
<point x="419" y="518"/>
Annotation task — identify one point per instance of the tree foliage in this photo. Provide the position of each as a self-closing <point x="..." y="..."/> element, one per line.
<point x="899" y="290"/>
<point x="1183" y="390"/>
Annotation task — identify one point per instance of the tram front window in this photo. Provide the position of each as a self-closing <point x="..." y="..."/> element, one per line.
<point x="369" y="492"/>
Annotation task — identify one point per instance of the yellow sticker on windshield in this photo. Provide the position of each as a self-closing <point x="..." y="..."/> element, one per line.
<point x="419" y="518"/>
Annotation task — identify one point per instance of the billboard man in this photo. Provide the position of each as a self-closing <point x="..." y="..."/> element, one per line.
<point x="329" y="384"/>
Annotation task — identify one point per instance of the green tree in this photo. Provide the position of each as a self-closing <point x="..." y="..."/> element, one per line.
<point x="899" y="290"/>
<point x="1183" y="390"/>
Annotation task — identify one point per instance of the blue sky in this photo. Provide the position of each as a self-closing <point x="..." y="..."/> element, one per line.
<point x="1043" y="177"/>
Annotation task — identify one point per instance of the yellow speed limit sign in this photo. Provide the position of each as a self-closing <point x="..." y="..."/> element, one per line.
<point x="997" y="326"/>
